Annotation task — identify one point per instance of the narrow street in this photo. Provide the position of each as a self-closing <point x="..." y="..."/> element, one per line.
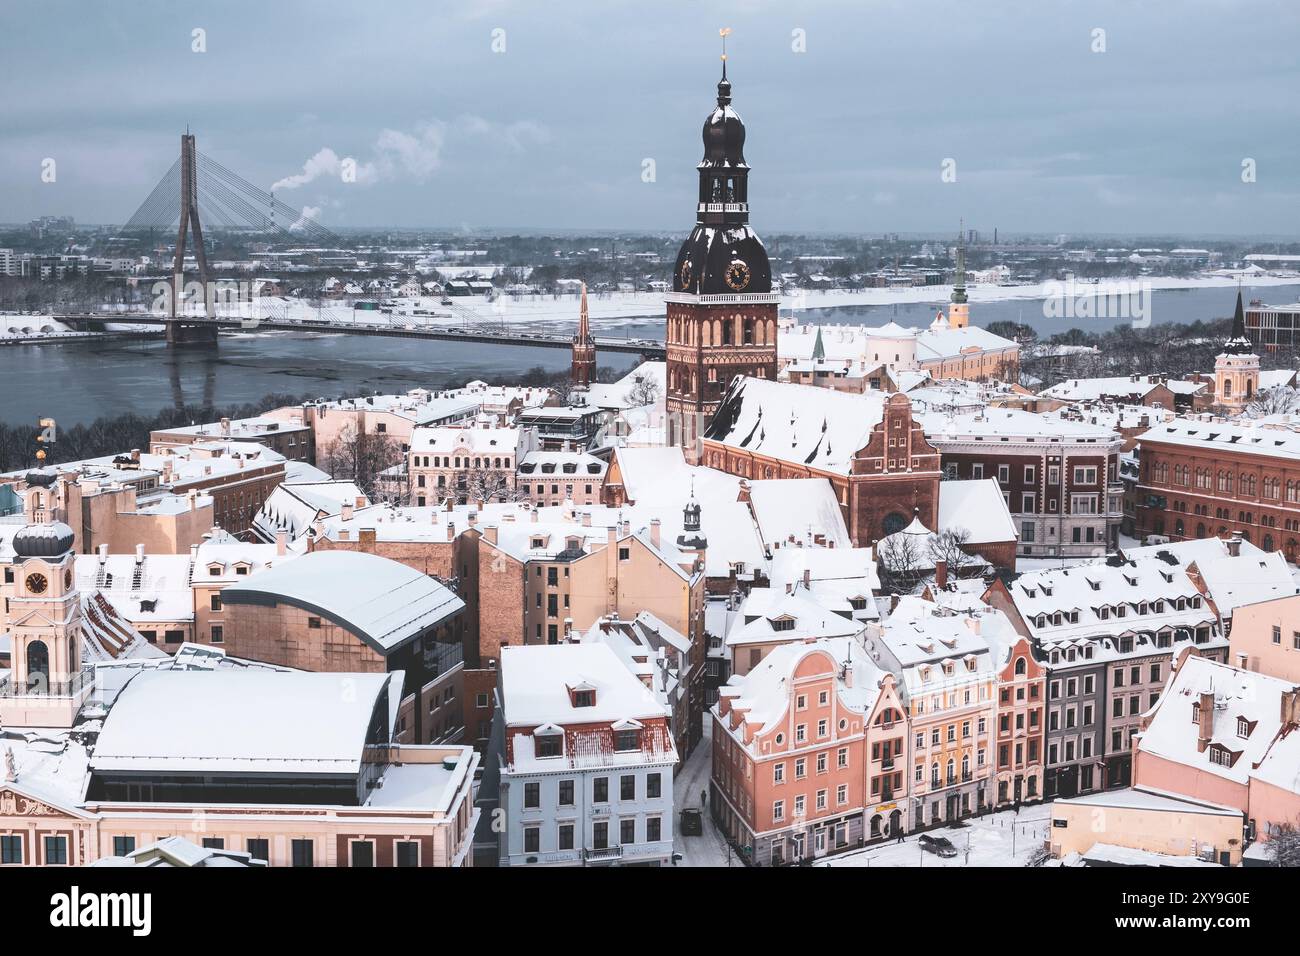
<point x="709" y="848"/>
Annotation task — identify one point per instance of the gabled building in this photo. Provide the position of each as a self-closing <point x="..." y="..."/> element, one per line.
<point x="947" y="672"/>
<point x="879" y="463"/>
<point x="1225" y="736"/>
<point x="1108" y="633"/>
<point x="581" y="763"/>
<point x="793" y="774"/>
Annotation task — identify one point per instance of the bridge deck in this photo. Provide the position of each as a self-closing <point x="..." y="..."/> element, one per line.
<point x="389" y="327"/>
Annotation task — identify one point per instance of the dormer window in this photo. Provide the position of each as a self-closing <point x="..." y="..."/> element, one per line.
<point x="215" y="570"/>
<point x="1196" y="712"/>
<point x="625" y="740"/>
<point x="1244" y="727"/>
<point x="584" y="698"/>
<point x="548" y="741"/>
<point x="782" y="623"/>
<point x="241" y="569"/>
<point x="925" y="675"/>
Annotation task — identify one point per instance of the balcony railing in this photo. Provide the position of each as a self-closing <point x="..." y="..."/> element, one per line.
<point x="41" y="688"/>
<point x="607" y="854"/>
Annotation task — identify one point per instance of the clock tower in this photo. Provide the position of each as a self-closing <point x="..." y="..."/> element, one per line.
<point x="47" y="683"/>
<point x="722" y="312"/>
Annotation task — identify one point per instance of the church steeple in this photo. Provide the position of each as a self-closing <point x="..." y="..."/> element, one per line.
<point x="1239" y="342"/>
<point x="1236" y="368"/>
<point x="959" y="312"/>
<point x="582" y="368"/>
<point x="721" y="312"/>
<point x="959" y="285"/>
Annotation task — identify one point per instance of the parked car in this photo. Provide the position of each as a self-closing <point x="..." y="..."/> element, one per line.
<point x="692" y="822"/>
<point x="940" y="846"/>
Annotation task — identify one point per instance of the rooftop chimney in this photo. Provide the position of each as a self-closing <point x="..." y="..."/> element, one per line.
<point x="1205" y="721"/>
<point x="281" y="543"/>
<point x="1234" y="544"/>
<point x="139" y="553"/>
<point x="807" y="579"/>
<point x="654" y="531"/>
<point x="941" y="574"/>
<point x="103" y="553"/>
<point x="346" y="513"/>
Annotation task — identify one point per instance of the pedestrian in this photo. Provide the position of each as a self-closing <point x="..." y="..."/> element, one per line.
<point x="704" y="799"/>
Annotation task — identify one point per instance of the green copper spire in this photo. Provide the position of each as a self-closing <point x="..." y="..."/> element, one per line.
<point x="959" y="286"/>
<point x="819" y="350"/>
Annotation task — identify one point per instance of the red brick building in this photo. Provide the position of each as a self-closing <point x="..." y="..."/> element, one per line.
<point x="721" y="315"/>
<point x="883" y="468"/>
<point x="1202" y="477"/>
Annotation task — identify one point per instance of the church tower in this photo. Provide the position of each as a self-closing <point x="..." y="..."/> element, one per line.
<point x="959" y="311"/>
<point x="46" y="683"/>
<point x="582" y="369"/>
<point x="721" y="314"/>
<point x="1236" y="368"/>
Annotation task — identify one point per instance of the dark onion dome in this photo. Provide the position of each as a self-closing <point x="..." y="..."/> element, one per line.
<point x="724" y="131"/>
<point x="52" y="539"/>
<point x="40" y="479"/>
<point x="723" y="255"/>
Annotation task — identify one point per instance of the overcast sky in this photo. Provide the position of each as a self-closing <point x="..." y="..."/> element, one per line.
<point x="849" y="136"/>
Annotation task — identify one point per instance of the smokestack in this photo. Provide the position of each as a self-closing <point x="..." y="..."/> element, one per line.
<point x="1205" y="721"/>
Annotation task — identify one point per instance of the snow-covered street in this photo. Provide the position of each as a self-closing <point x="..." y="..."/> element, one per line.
<point x="709" y="848"/>
<point x="1000" y="839"/>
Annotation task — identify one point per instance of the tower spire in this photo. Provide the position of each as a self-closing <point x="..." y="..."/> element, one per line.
<point x="959" y="285"/>
<point x="582" y="368"/>
<point x="724" y="85"/>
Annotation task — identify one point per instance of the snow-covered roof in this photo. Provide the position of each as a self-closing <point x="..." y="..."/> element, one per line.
<point x="1116" y="386"/>
<point x="798" y="510"/>
<point x="383" y="602"/>
<point x="975" y="506"/>
<point x="152" y="587"/>
<point x="1192" y="550"/>
<point x="293" y="507"/>
<point x="770" y="615"/>
<point x="1246" y="718"/>
<point x="1246" y="579"/>
<point x="1216" y="436"/>
<point x="1145" y="798"/>
<point x="537" y="681"/>
<point x="1014" y="424"/>
<point x="817" y="427"/>
<point x="764" y="694"/>
<point x="920" y="640"/>
<point x="240" y="722"/>
<point x="1109" y="600"/>
<point x="475" y="440"/>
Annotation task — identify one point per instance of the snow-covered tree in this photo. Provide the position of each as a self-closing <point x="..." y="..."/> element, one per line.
<point x="1284" y="845"/>
<point x="950" y="546"/>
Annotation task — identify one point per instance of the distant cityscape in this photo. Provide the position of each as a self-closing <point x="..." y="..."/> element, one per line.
<point x="759" y="571"/>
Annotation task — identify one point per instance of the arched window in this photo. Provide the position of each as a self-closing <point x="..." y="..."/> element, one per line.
<point x="38" y="665"/>
<point x="1020" y="667"/>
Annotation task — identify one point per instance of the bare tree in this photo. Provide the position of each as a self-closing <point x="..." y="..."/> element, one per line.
<point x="950" y="546"/>
<point x="1282" y="400"/>
<point x="487" y="484"/>
<point x="644" y="391"/>
<point x="900" y="557"/>
<point x="366" y="458"/>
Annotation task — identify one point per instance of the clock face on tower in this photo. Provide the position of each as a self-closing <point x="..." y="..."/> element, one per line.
<point x="684" y="277"/>
<point x="738" y="275"/>
<point x="36" y="583"/>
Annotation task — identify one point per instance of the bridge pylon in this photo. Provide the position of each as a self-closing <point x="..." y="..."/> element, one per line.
<point x="178" y="331"/>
